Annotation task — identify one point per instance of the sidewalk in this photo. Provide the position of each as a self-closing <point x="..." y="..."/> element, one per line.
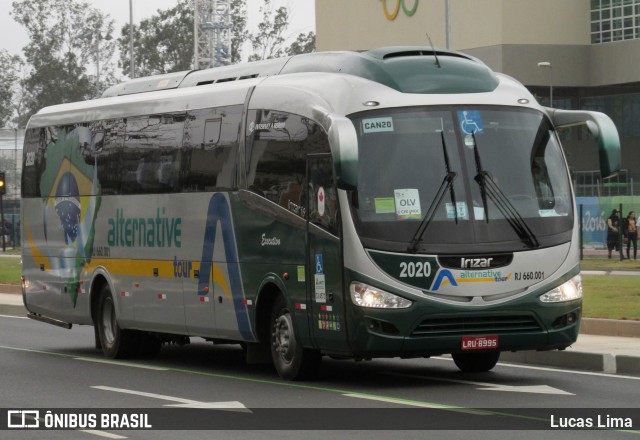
<point x="604" y="345"/>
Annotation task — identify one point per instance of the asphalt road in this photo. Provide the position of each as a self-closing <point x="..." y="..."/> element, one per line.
<point x="46" y="367"/>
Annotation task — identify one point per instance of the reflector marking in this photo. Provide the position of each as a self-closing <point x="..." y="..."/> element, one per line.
<point x="326" y="308"/>
<point x="162" y="296"/>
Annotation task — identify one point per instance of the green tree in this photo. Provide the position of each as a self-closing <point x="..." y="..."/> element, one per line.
<point x="21" y="96"/>
<point x="268" y="41"/>
<point x="9" y="67"/>
<point x="163" y="43"/>
<point x="303" y="44"/>
<point x="239" y="33"/>
<point x="64" y="37"/>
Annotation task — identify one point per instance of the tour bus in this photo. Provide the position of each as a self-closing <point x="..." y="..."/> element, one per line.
<point x="398" y="202"/>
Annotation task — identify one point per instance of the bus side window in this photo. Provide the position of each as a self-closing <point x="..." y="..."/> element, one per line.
<point x="210" y="148"/>
<point x="276" y="160"/>
<point x="34" y="162"/>
<point x="108" y="153"/>
<point x="151" y="153"/>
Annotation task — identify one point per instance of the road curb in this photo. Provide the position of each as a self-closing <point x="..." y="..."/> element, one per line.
<point x="578" y="360"/>
<point x="599" y="362"/>
<point x="628" y="365"/>
<point x="10" y="288"/>
<point x="610" y="327"/>
<point x="12" y="310"/>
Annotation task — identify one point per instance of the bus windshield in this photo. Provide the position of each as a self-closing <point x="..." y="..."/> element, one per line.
<point x="486" y="177"/>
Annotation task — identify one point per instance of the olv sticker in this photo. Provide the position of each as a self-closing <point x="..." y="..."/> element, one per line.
<point x="407" y="204"/>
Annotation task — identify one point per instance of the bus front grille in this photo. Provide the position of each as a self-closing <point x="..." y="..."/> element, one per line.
<point x="475" y="325"/>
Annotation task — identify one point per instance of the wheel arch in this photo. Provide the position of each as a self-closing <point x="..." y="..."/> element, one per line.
<point x="269" y="289"/>
<point x="99" y="279"/>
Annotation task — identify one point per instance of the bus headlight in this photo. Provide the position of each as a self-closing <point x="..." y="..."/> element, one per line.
<point x="365" y="295"/>
<point x="569" y="291"/>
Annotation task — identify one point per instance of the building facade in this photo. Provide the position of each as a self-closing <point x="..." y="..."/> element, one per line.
<point x="586" y="52"/>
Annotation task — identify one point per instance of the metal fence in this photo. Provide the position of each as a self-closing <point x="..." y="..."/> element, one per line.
<point x="11" y="141"/>
<point x="591" y="184"/>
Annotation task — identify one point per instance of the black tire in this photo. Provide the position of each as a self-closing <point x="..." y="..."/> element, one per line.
<point x="476" y="362"/>
<point x="292" y="361"/>
<point x="116" y="343"/>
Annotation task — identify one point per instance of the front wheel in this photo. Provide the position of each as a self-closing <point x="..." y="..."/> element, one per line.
<point x="291" y="360"/>
<point x="476" y="362"/>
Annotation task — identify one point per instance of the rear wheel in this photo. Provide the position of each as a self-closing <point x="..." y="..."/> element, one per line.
<point x="291" y="360"/>
<point x="115" y="342"/>
<point x="476" y="362"/>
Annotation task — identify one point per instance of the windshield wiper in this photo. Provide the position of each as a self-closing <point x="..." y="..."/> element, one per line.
<point x="452" y="191"/>
<point x="447" y="182"/>
<point x="488" y="187"/>
<point x="480" y="178"/>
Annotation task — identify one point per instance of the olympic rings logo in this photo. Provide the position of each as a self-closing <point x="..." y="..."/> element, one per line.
<point x="393" y="14"/>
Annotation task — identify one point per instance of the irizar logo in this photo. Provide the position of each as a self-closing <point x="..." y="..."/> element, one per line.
<point x="475" y="263"/>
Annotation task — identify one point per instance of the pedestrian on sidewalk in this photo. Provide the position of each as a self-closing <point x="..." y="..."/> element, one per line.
<point x="613" y="232"/>
<point x="632" y="234"/>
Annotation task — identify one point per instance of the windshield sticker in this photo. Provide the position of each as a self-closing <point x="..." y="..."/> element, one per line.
<point x="462" y="211"/>
<point x="407" y="204"/>
<point x="385" y="205"/>
<point x="376" y="125"/>
<point x="550" y="213"/>
<point x="470" y="122"/>
<point x="478" y="213"/>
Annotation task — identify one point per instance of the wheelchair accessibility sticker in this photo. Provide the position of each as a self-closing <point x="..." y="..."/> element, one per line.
<point x="470" y="122"/>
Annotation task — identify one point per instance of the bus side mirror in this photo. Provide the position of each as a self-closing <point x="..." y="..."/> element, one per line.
<point x="601" y="127"/>
<point x="344" y="149"/>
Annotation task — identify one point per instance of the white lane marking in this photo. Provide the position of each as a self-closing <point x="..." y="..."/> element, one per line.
<point x="182" y="403"/>
<point x="485" y="386"/>
<point x="416" y="403"/>
<point x="102" y="434"/>
<point x="16" y="317"/>
<point x="121" y="364"/>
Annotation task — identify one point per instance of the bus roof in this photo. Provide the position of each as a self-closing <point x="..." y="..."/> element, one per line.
<point x="407" y="69"/>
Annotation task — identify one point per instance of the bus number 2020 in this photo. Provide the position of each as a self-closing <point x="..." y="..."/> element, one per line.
<point x="415" y="269"/>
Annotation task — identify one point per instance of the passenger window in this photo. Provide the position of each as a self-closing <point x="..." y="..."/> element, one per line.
<point x="34" y="161"/>
<point x="210" y="148"/>
<point x="110" y="133"/>
<point x="151" y="158"/>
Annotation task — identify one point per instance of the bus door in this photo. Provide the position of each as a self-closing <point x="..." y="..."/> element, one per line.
<point x="324" y="292"/>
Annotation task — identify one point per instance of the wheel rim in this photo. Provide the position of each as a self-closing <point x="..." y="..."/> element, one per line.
<point x="283" y="339"/>
<point x="108" y="322"/>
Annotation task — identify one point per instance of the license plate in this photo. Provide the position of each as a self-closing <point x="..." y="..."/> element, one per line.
<point x="479" y="342"/>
